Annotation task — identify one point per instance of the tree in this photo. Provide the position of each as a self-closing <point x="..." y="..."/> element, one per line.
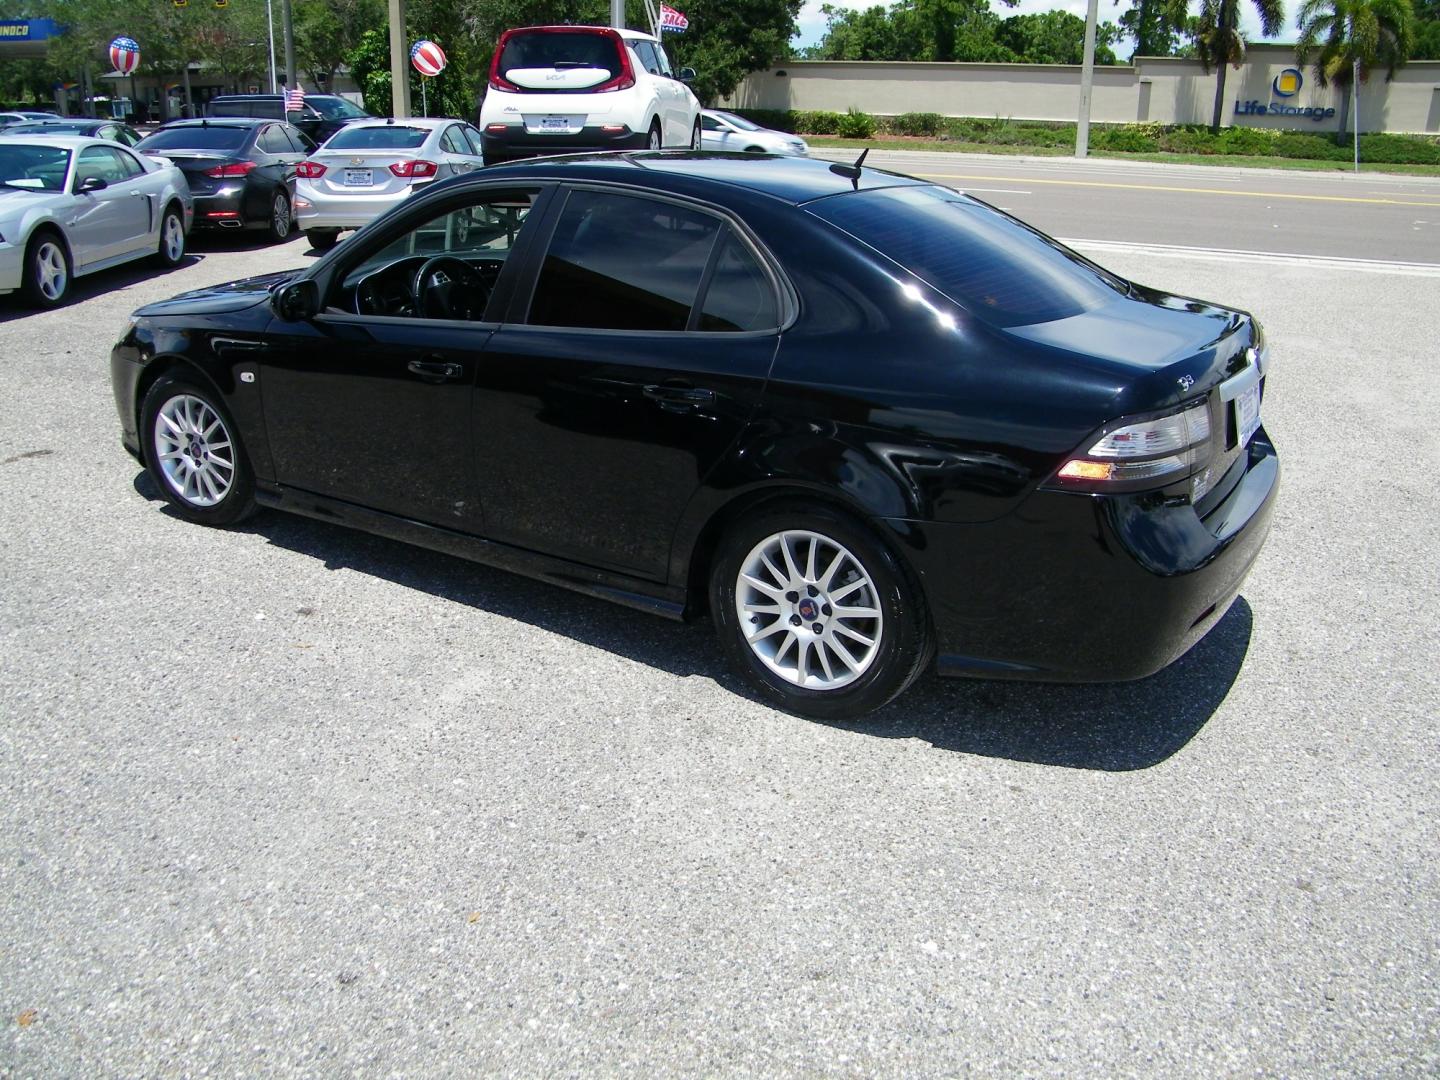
<point x="1160" y="27"/>
<point x="1427" y="31"/>
<point x="728" y="39"/>
<point x="1219" y="42"/>
<point x="1055" y="37"/>
<point x="326" y="31"/>
<point x="963" y="30"/>
<point x="1343" y="35"/>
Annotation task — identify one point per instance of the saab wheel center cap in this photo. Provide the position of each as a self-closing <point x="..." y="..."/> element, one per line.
<point x="808" y="610"/>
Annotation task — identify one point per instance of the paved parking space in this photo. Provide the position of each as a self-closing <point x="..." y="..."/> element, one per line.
<point x="293" y="800"/>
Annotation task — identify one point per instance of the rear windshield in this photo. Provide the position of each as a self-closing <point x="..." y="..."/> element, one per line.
<point x="336" y="108"/>
<point x="377" y="138"/>
<point x="195" y="138"/>
<point x="269" y="108"/>
<point x="560" y="51"/>
<point x="1003" y="271"/>
<point x="38" y="168"/>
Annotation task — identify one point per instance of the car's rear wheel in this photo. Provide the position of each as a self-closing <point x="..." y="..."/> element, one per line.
<point x="817" y="614"/>
<point x="47" y="270"/>
<point x="172" y="239"/>
<point x="695" y="136"/>
<point x="279" y="226"/>
<point x="194" y="454"/>
<point x="654" y="141"/>
<point x="322" y="239"/>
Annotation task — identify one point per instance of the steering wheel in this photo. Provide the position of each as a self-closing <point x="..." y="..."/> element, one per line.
<point x="449" y="288"/>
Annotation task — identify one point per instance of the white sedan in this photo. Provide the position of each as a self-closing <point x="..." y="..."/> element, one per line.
<point x="71" y="205"/>
<point x="368" y="166"/>
<point x="726" y="131"/>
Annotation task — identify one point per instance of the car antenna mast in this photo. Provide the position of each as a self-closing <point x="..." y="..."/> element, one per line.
<point x="852" y="172"/>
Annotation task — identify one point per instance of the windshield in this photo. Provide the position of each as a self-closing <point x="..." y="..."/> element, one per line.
<point x="1004" y="272"/>
<point x="377" y="138"/>
<point x="38" y="168"/>
<point x="208" y="137"/>
<point x="335" y="108"/>
<point x="739" y="121"/>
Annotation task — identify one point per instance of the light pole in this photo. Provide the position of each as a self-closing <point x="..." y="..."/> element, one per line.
<point x="399" y="57"/>
<point x="270" y="23"/>
<point x="1087" y="80"/>
<point x="289" y="23"/>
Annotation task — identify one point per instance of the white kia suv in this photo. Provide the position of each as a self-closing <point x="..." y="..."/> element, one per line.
<point x="570" y="89"/>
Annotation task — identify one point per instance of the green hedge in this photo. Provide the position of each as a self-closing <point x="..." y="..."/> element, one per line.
<point x="1380" y="149"/>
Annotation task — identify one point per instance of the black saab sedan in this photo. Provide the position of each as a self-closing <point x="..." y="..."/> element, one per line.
<point x="866" y="422"/>
<point x="241" y="172"/>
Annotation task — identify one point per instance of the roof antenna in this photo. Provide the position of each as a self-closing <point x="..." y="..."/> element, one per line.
<point x="852" y="172"/>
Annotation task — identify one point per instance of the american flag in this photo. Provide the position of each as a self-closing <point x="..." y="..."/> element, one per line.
<point x="295" y="99"/>
<point x="672" y="20"/>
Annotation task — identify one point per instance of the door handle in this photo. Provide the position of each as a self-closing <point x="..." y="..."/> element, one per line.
<point x="674" y="398"/>
<point x="437" y="370"/>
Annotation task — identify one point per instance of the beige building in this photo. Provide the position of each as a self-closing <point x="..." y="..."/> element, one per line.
<point x="1264" y="92"/>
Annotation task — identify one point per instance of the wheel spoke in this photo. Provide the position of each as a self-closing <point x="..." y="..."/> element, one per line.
<point x="857" y="613"/>
<point x="824" y="656"/>
<point x="854" y="635"/>
<point x="772" y="591"/>
<point x="810" y="559"/>
<point x="845" y="590"/>
<point x="778" y="574"/>
<point x="802" y="667"/>
<point x="793" y="570"/>
<point x="774" y="628"/>
<point x="845" y="656"/>
<point x="829" y="575"/>
<point x="756" y="608"/>
<point x="790" y="639"/>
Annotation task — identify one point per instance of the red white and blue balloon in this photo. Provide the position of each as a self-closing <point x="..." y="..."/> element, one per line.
<point x="125" y="55"/>
<point x="428" y="58"/>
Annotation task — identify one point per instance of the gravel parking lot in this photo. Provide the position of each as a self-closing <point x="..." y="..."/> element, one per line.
<point x="291" y="800"/>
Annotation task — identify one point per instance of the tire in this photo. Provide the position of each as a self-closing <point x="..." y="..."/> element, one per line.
<point x="853" y="663"/>
<point x="171" y="251"/>
<point x="48" y="272"/>
<point x="278" y="230"/>
<point x="654" y="141"/>
<point x="187" y="434"/>
<point x="695" y="137"/>
<point x="323" y="239"/>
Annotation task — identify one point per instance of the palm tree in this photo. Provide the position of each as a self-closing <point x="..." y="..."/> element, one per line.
<point x="1345" y="34"/>
<point x="1219" y="42"/>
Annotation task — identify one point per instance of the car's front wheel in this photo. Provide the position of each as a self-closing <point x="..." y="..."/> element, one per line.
<point x="194" y="454"/>
<point x="47" y="270"/>
<point x="279" y="226"/>
<point x="817" y="614"/>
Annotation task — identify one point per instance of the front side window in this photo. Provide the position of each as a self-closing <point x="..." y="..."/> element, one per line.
<point x="335" y="108"/>
<point x="621" y="262"/>
<point x="443" y="268"/>
<point x="98" y="162"/>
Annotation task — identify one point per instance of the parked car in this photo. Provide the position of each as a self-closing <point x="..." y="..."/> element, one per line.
<point x="371" y="165"/>
<point x="565" y="89"/>
<point x="241" y="172"/>
<point x="111" y="130"/>
<point x="864" y="420"/>
<point x="726" y="131"/>
<point x="22" y="116"/>
<point x="71" y="206"/>
<point x="321" y="116"/>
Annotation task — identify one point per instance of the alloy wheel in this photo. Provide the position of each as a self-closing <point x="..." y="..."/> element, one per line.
<point x="809" y="610"/>
<point x="52" y="275"/>
<point x="654" y="138"/>
<point x="174" y="238"/>
<point x="194" y="450"/>
<point x="280" y="217"/>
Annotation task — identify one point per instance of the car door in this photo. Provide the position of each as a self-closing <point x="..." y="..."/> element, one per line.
<point x="371" y="400"/>
<point x="628" y="368"/>
<point x="455" y="152"/>
<point x="104" y="222"/>
<point x="715" y="134"/>
<point x="677" y="98"/>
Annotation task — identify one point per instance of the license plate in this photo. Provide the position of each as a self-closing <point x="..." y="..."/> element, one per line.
<point x="1247" y="413"/>
<point x="357" y="177"/>
<point x="554" y="123"/>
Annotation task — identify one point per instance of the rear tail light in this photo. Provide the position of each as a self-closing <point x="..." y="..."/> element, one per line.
<point x="414" y="169"/>
<point x="496" y="129"/>
<point x="310" y="170"/>
<point x="230" y="171"/>
<point x="1141" y="454"/>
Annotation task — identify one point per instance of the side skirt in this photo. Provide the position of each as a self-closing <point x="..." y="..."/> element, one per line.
<point x="637" y="593"/>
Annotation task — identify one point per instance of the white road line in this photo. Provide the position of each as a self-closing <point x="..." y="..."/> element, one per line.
<point x="1318" y="262"/>
<point x="999" y="190"/>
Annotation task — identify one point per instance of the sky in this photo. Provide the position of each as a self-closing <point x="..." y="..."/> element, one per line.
<point x="812" y="23"/>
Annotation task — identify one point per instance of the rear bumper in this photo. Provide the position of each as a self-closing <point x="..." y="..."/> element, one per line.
<point x="1078" y="588"/>
<point x="515" y="142"/>
<point x="320" y="210"/>
<point x="223" y="209"/>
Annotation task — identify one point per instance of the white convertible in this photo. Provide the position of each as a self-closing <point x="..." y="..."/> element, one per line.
<point x="70" y="206"/>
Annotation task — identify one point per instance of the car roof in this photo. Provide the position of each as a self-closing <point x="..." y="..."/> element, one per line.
<point x="409" y="121"/>
<point x="219" y="121"/>
<point x="790" y="179"/>
<point x="624" y="32"/>
<point x="67" y="142"/>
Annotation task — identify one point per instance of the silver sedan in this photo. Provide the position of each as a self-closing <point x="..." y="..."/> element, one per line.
<point x="367" y="167"/>
<point x="726" y="131"/>
<point x="71" y="206"/>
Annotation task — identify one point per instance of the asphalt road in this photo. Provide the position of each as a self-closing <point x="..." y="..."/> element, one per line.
<point x="290" y="800"/>
<point x="1365" y="216"/>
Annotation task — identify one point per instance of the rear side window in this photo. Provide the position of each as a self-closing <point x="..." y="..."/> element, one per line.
<point x="618" y="262"/>
<point x="739" y="295"/>
<point x="389" y="137"/>
<point x="1002" y="271"/>
<point x="273" y="140"/>
<point x="547" y="52"/>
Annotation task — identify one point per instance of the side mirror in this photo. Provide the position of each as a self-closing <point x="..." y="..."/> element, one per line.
<point x="89" y="184"/>
<point x="296" y="301"/>
<point x="687" y="75"/>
